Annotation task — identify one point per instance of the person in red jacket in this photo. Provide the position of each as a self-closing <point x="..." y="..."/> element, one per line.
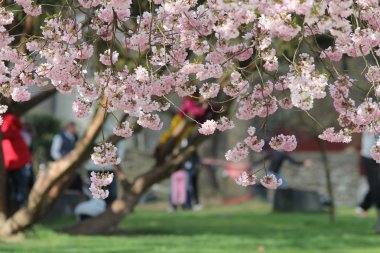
<point x="16" y="156"/>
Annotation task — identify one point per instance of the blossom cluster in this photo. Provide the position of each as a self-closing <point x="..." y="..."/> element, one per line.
<point x="100" y="180"/>
<point x="283" y="142"/>
<point x="271" y="182"/>
<point x="246" y="179"/>
<point x="249" y="178"/>
<point x="203" y="49"/>
<point x="241" y="151"/>
<point x="124" y="130"/>
<point x="331" y="136"/>
<point x="105" y="155"/>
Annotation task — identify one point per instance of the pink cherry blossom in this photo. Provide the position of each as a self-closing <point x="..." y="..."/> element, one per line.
<point x="106" y="57"/>
<point x="151" y="121"/>
<point x="83" y="51"/>
<point x="254" y="143"/>
<point x="245" y="179"/>
<point x="373" y="74"/>
<point x="5" y="39"/>
<point x="98" y="193"/>
<point x="224" y="124"/>
<point x="208" y="127"/>
<point x="332" y="54"/>
<point x="209" y="90"/>
<point x="89" y="3"/>
<point x="331" y="136"/>
<point x="6" y="17"/>
<point x="283" y="143"/>
<point x="180" y="48"/>
<point x="123" y="130"/>
<point x="33" y="10"/>
<point x="100" y="180"/>
<point x="105" y="155"/>
<point x="271" y="182"/>
<point x="251" y="131"/>
<point x="238" y="153"/>
<point x="271" y="61"/>
<point x="20" y="94"/>
<point x="81" y="107"/>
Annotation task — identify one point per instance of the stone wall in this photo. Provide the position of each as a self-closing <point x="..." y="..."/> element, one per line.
<point x="344" y="174"/>
<point x="347" y="184"/>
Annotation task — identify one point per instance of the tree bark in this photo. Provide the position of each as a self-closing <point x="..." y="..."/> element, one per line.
<point x="39" y="198"/>
<point x="124" y="206"/>
<point x="166" y="163"/>
<point x="21" y="108"/>
<point x="329" y="186"/>
<point x="27" y="31"/>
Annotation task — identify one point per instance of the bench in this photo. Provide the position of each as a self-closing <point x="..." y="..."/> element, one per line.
<point x="293" y="200"/>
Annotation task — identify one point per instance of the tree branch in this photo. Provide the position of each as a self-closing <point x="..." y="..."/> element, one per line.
<point x="21" y="108"/>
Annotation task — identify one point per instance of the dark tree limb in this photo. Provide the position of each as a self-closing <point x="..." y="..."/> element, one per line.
<point x="21" y="108"/>
<point x="124" y="206"/>
<point x="172" y="159"/>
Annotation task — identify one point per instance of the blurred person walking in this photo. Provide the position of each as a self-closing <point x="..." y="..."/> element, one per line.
<point x="372" y="171"/>
<point x="276" y="160"/>
<point x="192" y="167"/>
<point x="178" y="189"/>
<point x="16" y="157"/>
<point x="365" y="195"/>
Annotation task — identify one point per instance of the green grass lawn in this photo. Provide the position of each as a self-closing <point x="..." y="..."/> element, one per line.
<point x="242" y="228"/>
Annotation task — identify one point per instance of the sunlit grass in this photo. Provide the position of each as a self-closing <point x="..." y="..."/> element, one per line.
<point x="240" y="228"/>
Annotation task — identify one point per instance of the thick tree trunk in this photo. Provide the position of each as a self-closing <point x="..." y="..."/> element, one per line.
<point x="166" y="163"/>
<point x="42" y="195"/>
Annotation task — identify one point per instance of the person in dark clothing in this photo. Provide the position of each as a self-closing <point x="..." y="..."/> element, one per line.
<point x="373" y="176"/>
<point x="366" y="204"/>
<point x="277" y="159"/>
<point x="192" y="167"/>
<point x="372" y="171"/>
<point x="62" y="144"/>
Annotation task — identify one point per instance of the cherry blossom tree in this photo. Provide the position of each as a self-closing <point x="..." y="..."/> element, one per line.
<point x="216" y="51"/>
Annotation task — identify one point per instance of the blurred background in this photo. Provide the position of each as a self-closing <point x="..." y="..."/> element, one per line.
<point x="174" y="191"/>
